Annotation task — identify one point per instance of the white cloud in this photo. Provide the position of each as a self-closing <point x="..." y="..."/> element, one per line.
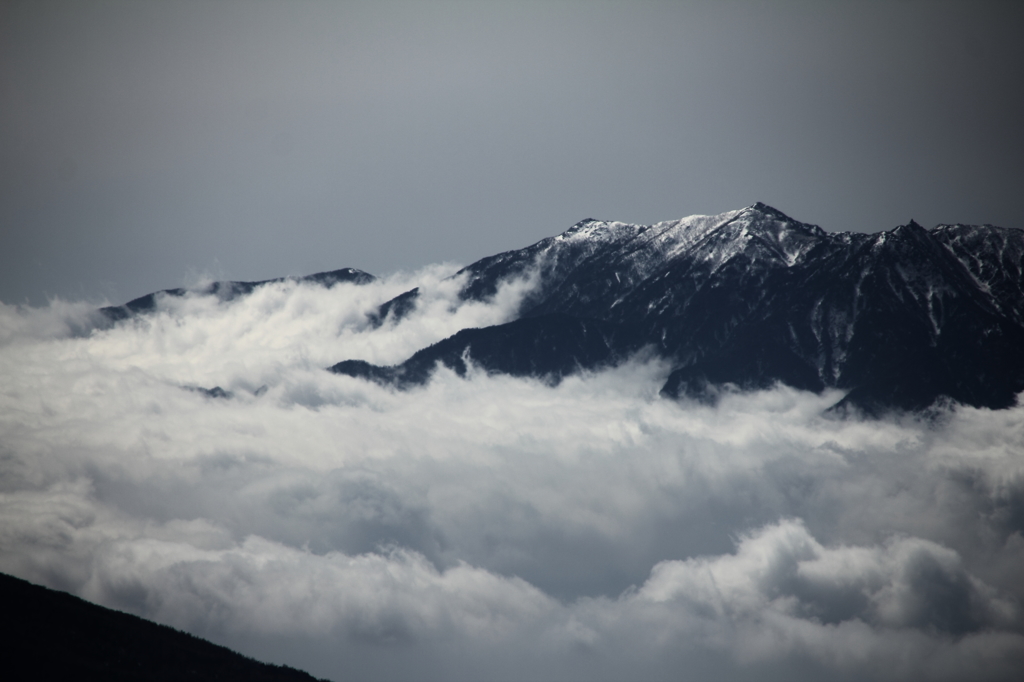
<point x="473" y="527"/>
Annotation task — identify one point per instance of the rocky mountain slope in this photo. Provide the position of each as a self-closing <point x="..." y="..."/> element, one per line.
<point x="900" y="318"/>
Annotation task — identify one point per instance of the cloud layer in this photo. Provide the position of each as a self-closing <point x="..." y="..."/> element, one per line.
<point x="493" y="527"/>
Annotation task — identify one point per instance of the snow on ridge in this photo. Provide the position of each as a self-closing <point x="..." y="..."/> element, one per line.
<point x="681" y="235"/>
<point x="671" y="238"/>
<point x="759" y="231"/>
<point x="640" y="249"/>
<point x="599" y="231"/>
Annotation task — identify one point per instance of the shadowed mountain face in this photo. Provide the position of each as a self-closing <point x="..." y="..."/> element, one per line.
<point x="50" y="635"/>
<point x="899" y="319"/>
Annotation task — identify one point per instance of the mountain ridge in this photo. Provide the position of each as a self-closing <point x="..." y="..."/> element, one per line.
<point x="230" y="290"/>
<point x="898" y="319"/>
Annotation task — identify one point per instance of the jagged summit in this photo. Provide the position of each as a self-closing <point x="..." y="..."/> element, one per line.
<point x="768" y="210"/>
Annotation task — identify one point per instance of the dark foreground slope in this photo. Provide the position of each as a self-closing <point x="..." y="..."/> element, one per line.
<point x="49" y="635"/>
<point x="897" y="319"/>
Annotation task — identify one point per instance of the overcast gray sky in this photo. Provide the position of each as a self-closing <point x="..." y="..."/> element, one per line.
<point x="143" y="145"/>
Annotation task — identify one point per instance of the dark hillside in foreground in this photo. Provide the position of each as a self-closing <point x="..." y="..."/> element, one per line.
<point x="50" y="635"/>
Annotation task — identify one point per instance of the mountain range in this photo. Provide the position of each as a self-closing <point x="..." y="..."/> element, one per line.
<point x="741" y="300"/>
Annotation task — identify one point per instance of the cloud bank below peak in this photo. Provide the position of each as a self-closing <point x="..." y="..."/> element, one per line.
<point x="489" y="526"/>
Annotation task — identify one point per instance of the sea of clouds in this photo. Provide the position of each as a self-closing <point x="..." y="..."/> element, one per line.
<point x="494" y="528"/>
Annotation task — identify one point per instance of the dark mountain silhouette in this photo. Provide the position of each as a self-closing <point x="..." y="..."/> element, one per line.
<point x="50" y="635"/>
<point x="227" y="291"/>
<point x="899" y="319"/>
<point x="748" y="298"/>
